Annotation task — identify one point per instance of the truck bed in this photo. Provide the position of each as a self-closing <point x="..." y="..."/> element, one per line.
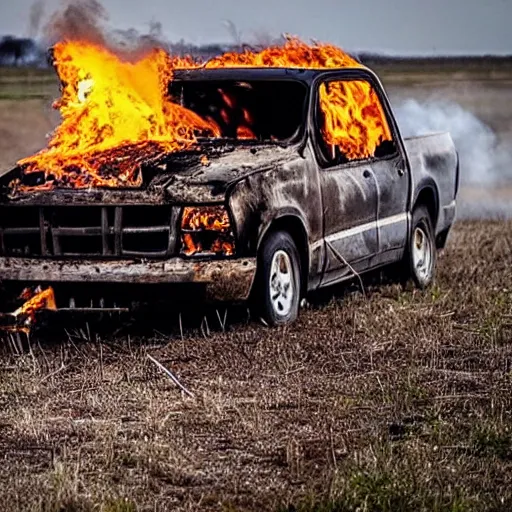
<point x="434" y="161"/>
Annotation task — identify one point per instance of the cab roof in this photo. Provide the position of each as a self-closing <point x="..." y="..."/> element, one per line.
<point x="263" y="73"/>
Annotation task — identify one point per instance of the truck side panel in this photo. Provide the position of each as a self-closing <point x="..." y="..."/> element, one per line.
<point x="434" y="164"/>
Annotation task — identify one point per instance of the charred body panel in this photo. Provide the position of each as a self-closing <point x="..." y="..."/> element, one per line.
<point x="287" y="194"/>
<point x="211" y="182"/>
<point x="351" y="216"/>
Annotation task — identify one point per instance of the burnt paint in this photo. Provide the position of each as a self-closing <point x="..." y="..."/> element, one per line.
<point x="287" y="190"/>
<point x="229" y="280"/>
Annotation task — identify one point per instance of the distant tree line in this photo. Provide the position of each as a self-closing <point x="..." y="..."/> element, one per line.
<point x="27" y="52"/>
<point x="21" y="51"/>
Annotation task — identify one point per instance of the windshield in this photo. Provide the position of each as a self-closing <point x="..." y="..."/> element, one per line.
<point x="260" y="110"/>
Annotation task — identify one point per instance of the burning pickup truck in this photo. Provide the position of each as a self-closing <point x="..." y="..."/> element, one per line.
<point x="258" y="176"/>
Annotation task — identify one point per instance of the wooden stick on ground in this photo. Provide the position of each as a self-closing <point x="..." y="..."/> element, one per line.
<point x="171" y="375"/>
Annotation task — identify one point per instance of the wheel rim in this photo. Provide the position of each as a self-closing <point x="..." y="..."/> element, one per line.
<point x="422" y="254"/>
<point x="281" y="283"/>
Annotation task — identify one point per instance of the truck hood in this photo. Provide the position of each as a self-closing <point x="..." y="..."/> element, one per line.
<point x="199" y="176"/>
<point x="206" y="178"/>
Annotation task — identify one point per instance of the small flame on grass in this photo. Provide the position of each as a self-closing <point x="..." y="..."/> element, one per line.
<point x="35" y="301"/>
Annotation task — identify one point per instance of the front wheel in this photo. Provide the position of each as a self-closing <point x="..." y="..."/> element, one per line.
<point x="278" y="283"/>
<point x="421" y="254"/>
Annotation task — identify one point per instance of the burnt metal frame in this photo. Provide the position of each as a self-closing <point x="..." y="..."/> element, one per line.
<point x="105" y="230"/>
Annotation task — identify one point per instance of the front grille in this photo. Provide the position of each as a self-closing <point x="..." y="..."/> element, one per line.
<point x="92" y="231"/>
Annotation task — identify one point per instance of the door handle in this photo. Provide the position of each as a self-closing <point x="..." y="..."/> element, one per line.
<point x="366" y="174"/>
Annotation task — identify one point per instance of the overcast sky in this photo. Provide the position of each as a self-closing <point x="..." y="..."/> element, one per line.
<point x="398" y="26"/>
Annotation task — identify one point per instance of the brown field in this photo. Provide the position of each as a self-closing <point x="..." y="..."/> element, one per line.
<point x="399" y="400"/>
<point x="387" y="400"/>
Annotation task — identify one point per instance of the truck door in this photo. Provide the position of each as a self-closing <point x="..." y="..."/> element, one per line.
<point x="391" y="172"/>
<point x="348" y="185"/>
<point x="393" y="192"/>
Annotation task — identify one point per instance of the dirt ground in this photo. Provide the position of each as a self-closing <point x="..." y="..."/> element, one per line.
<point x="381" y="400"/>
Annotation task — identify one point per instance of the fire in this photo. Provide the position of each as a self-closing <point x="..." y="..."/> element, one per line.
<point x="232" y="113"/>
<point x="222" y="247"/>
<point x="35" y="301"/>
<point x="210" y="218"/>
<point x="190" y="246"/>
<point x="206" y="229"/>
<point x="117" y="114"/>
<point x="353" y="116"/>
<point x="108" y="104"/>
<point x="293" y="54"/>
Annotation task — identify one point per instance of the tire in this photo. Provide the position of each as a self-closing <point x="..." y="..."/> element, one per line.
<point x="420" y="258"/>
<point x="278" y="284"/>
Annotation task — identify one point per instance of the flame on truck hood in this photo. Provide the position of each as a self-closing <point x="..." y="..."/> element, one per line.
<point x="117" y="114"/>
<point x="112" y="111"/>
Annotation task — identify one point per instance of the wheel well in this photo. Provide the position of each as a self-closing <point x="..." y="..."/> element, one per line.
<point x="295" y="228"/>
<point x="428" y="198"/>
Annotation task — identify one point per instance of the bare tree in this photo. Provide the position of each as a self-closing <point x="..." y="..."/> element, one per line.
<point x="16" y="51"/>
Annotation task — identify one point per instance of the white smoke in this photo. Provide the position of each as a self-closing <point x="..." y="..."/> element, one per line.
<point x="484" y="160"/>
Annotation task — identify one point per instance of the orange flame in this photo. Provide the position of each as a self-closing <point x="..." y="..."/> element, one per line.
<point x="209" y="220"/>
<point x="111" y="104"/>
<point x="223" y="247"/>
<point x="353" y="118"/>
<point x="40" y="299"/>
<point x="209" y="217"/>
<point x="293" y="54"/>
<point x="117" y="115"/>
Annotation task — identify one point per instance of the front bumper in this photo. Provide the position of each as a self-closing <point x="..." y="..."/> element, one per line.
<point x="224" y="280"/>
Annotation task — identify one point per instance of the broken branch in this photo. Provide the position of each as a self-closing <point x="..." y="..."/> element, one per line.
<point x="171" y="376"/>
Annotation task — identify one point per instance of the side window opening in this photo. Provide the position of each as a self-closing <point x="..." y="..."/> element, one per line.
<point x="352" y="122"/>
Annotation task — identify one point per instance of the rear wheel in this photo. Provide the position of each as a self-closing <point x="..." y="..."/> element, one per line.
<point x="420" y="257"/>
<point x="278" y="283"/>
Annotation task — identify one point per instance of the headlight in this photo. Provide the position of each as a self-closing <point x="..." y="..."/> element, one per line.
<point x="206" y="230"/>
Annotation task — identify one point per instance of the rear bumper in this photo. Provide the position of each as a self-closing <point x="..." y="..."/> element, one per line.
<point x="226" y="280"/>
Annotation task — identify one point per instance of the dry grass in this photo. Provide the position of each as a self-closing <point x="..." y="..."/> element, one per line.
<point x="400" y="401"/>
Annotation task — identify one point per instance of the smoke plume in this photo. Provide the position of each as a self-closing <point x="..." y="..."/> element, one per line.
<point x="35" y="17"/>
<point x="83" y="19"/>
<point x="87" y="20"/>
<point x="484" y="160"/>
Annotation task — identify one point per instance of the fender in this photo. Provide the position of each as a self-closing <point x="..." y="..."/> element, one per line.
<point x="427" y="185"/>
<point x="280" y="215"/>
